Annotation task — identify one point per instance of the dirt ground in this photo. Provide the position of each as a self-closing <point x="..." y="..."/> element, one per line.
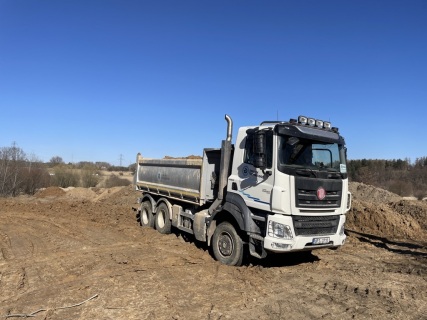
<point x="80" y="254"/>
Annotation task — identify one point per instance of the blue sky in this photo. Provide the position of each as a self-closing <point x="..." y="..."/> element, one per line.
<point x="103" y="80"/>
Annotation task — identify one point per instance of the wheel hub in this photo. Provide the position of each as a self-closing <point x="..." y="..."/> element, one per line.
<point x="225" y="244"/>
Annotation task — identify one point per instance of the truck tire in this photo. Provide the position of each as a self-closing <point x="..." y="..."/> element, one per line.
<point x="146" y="215"/>
<point x="227" y="245"/>
<point x="163" y="222"/>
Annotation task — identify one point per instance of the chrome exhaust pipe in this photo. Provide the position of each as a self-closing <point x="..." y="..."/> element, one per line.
<point x="229" y="127"/>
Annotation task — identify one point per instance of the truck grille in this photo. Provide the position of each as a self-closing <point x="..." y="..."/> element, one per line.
<point x="314" y="226"/>
<point x="306" y="189"/>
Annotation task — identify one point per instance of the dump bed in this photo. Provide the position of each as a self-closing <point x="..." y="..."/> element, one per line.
<point x="189" y="180"/>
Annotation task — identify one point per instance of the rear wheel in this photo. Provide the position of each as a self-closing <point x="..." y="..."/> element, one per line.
<point x="146" y="215"/>
<point x="227" y="245"/>
<point x="163" y="222"/>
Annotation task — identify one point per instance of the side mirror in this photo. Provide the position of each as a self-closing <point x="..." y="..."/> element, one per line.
<point x="259" y="150"/>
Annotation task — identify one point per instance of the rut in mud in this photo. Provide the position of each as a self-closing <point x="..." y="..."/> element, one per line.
<point x="61" y="247"/>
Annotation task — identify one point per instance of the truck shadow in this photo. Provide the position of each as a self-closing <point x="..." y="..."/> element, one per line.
<point x="284" y="259"/>
<point x="271" y="261"/>
<point x="400" y="247"/>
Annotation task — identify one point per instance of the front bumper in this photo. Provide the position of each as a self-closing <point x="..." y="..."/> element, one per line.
<point x="300" y="243"/>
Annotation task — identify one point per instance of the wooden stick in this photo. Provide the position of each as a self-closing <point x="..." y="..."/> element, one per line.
<point x="32" y="314"/>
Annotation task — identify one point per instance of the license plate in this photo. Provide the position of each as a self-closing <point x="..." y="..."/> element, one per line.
<point x="320" y="240"/>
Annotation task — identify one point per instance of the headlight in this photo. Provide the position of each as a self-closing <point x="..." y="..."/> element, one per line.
<point x="278" y="230"/>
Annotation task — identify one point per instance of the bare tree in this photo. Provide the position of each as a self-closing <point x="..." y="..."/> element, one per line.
<point x="12" y="162"/>
<point x="35" y="175"/>
<point x="89" y="176"/>
<point x="56" y="160"/>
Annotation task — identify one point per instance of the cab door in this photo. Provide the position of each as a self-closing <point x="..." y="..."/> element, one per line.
<point x="255" y="174"/>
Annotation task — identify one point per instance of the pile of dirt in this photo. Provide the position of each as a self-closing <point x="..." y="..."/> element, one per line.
<point x="50" y="192"/>
<point x="114" y="195"/>
<point x="365" y="192"/>
<point x="415" y="209"/>
<point x="187" y="157"/>
<point x="384" y="214"/>
<point x="381" y="220"/>
<point x="81" y="193"/>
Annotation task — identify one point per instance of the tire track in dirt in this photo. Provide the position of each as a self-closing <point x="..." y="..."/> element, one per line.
<point x="5" y="247"/>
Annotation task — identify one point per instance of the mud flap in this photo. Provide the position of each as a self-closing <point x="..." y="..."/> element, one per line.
<point x="256" y="246"/>
<point x="199" y="225"/>
<point x="210" y="231"/>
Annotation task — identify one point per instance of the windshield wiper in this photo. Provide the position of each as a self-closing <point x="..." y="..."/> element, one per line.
<point x="307" y="172"/>
<point x="335" y="175"/>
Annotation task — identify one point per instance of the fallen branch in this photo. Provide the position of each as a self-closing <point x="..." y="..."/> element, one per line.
<point x="77" y="304"/>
<point x="32" y="314"/>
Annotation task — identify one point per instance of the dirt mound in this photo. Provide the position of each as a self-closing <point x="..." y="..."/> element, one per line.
<point x="50" y="192"/>
<point x="385" y="214"/>
<point x="383" y="221"/>
<point x="365" y="192"/>
<point x="187" y="157"/>
<point x="81" y="193"/>
<point x="115" y="195"/>
<point x="414" y="209"/>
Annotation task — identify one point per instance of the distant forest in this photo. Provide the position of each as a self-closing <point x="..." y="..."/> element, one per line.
<point x="398" y="176"/>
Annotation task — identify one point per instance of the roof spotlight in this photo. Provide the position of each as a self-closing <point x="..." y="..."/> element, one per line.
<point x="311" y="122"/>
<point x="327" y="125"/>
<point x="319" y="123"/>
<point x="302" y="120"/>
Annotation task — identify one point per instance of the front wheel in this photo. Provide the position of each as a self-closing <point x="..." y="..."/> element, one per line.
<point x="227" y="245"/>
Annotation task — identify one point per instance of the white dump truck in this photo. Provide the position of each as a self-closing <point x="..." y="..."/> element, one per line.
<point x="282" y="187"/>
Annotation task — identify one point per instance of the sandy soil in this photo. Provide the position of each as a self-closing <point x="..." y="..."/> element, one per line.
<point x="61" y="247"/>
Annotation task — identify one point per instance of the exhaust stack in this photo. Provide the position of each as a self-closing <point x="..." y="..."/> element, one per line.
<point x="224" y="167"/>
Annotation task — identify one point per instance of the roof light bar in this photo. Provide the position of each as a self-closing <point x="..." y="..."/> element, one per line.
<point x="303" y="120"/>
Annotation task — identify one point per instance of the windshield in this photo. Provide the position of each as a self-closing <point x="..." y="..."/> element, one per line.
<point x="298" y="152"/>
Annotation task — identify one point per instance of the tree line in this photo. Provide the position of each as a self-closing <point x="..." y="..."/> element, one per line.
<point x="398" y="176"/>
<point x="25" y="174"/>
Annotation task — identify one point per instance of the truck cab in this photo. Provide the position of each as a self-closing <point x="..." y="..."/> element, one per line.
<point x="292" y="176"/>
